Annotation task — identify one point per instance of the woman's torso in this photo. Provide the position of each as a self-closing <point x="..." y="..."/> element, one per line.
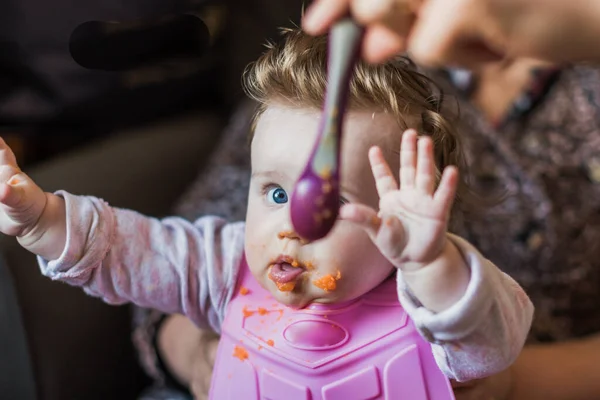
<point x="546" y="233"/>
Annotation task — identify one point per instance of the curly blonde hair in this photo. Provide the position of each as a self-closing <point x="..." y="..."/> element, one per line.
<point x="295" y="70"/>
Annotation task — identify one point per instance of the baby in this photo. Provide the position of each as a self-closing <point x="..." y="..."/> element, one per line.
<point x="393" y="226"/>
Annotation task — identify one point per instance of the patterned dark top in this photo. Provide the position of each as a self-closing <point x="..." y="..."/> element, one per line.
<point x="544" y="157"/>
<point x="546" y="233"/>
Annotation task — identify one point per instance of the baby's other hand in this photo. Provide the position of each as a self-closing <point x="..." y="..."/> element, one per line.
<point x="21" y="200"/>
<point x="410" y="227"/>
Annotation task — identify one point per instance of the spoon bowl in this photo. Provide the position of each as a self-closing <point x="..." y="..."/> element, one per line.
<point x="315" y="201"/>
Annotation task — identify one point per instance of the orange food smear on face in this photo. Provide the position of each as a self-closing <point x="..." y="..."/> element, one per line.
<point x="14" y="181"/>
<point x="375" y="221"/>
<point x="285" y="287"/>
<point x="270" y="342"/>
<point x="244" y="291"/>
<point x="328" y="282"/>
<point x="262" y="311"/>
<point x="284" y="234"/>
<point x="247" y="313"/>
<point x="240" y="352"/>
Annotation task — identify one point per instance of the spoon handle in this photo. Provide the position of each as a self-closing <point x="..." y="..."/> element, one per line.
<point x="344" y="45"/>
<point x="315" y="202"/>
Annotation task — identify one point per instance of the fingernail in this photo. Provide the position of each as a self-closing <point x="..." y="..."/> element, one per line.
<point x="308" y="22"/>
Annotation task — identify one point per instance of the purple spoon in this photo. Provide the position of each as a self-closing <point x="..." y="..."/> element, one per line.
<point x="315" y="202"/>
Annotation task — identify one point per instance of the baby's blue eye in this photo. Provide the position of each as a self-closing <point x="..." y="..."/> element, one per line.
<point x="277" y="195"/>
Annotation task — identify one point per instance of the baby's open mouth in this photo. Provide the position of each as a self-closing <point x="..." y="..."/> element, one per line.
<point x="285" y="271"/>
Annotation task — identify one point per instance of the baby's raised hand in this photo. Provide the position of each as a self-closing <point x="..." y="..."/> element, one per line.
<point x="21" y="200"/>
<point x="410" y="227"/>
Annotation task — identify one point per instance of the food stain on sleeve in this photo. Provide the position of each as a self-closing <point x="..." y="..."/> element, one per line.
<point x="244" y="291"/>
<point x="328" y="282"/>
<point x="240" y="352"/>
<point x="270" y="342"/>
<point x="247" y="313"/>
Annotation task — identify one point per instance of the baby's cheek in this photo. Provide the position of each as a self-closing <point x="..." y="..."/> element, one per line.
<point x="363" y="268"/>
<point x="253" y="251"/>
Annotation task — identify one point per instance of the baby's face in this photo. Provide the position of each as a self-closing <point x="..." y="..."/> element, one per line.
<point x="343" y="265"/>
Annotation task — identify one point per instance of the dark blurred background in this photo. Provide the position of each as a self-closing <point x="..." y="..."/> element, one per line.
<point x="136" y="138"/>
<point x="49" y="104"/>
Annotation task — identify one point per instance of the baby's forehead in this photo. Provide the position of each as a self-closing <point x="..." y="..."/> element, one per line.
<point x="293" y="131"/>
<point x="368" y="124"/>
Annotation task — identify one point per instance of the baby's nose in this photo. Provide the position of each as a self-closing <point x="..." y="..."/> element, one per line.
<point x="288" y="234"/>
<point x="291" y="235"/>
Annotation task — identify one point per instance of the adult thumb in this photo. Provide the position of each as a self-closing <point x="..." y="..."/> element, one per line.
<point x="448" y="33"/>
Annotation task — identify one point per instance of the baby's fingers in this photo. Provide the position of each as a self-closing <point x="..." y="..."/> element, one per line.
<point x="21" y="198"/>
<point x="384" y="178"/>
<point x="7" y="157"/>
<point x="7" y="172"/>
<point x="362" y="215"/>
<point x="387" y="233"/>
<point x="444" y="195"/>
<point x="425" y="176"/>
<point x="408" y="159"/>
<point x="11" y="195"/>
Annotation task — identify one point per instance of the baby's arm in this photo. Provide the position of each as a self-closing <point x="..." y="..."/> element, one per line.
<point x="477" y="317"/>
<point x="120" y="255"/>
<point x="171" y="264"/>
<point x="485" y="330"/>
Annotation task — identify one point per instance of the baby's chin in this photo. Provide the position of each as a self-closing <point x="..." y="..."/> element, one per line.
<point x="292" y="299"/>
<point x="301" y="297"/>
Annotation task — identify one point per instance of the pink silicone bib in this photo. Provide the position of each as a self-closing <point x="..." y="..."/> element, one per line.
<point x="364" y="349"/>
